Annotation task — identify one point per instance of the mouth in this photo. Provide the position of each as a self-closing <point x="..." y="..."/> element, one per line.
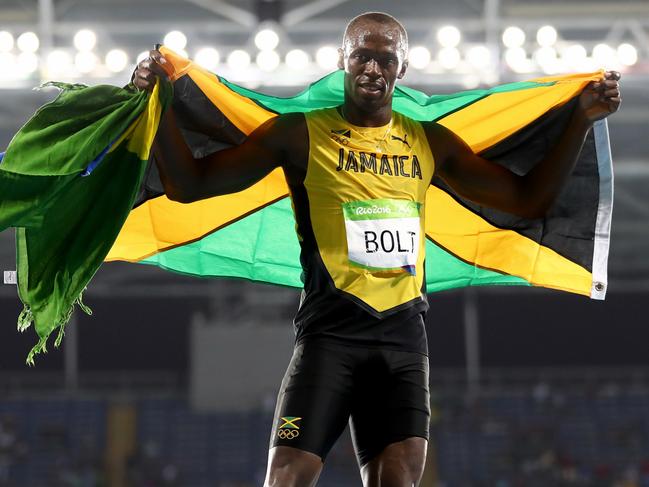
<point x="372" y="88"/>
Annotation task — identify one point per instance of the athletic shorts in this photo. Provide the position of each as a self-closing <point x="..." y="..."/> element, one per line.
<point x="382" y="393"/>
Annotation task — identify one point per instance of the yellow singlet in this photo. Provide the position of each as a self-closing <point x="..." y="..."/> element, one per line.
<point x="366" y="188"/>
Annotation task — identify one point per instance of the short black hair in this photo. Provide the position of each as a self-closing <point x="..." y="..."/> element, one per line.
<point x="383" y="19"/>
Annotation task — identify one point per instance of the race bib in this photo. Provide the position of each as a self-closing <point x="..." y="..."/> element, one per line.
<point x="383" y="234"/>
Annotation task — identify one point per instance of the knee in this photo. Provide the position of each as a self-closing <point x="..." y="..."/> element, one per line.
<point x="292" y="468"/>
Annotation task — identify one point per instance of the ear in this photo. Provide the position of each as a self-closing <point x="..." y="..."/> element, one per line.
<point x="402" y="73"/>
<point x="341" y="58"/>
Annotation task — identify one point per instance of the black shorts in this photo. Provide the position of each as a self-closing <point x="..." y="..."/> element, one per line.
<point x="383" y="393"/>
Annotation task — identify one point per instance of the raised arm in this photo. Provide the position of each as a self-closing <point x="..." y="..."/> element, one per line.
<point x="489" y="184"/>
<point x="186" y="179"/>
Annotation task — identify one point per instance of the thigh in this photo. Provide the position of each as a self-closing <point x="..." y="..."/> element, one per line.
<point x="313" y="404"/>
<point x="391" y="402"/>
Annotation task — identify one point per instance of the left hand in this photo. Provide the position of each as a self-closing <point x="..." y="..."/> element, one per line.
<point x="601" y="98"/>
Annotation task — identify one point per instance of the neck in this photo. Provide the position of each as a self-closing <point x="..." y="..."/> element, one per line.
<point x="375" y="118"/>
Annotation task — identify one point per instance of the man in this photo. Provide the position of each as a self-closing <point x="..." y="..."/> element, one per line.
<point x="358" y="175"/>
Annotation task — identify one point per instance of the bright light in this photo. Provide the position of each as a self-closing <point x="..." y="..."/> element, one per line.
<point x="327" y="57"/>
<point x="6" y="41"/>
<point x="516" y="58"/>
<point x="27" y="62"/>
<point x="513" y="37"/>
<point x="85" y="40"/>
<point x="58" y="62"/>
<point x="546" y="58"/>
<point x="449" y="36"/>
<point x="297" y="59"/>
<point x="238" y="59"/>
<point x="208" y="57"/>
<point x="267" y="60"/>
<point x="604" y="55"/>
<point x="85" y="61"/>
<point x="116" y="60"/>
<point x="27" y="42"/>
<point x="419" y="57"/>
<point x="546" y="36"/>
<point x="7" y="64"/>
<point x="175" y="40"/>
<point x="573" y="55"/>
<point x="479" y="57"/>
<point x="448" y="57"/>
<point x="266" y="39"/>
<point x="627" y="54"/>
<point x="142" y="56"/>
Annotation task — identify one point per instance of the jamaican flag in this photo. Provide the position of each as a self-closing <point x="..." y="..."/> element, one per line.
<point x="251" y="234"/>
<point x="78" y="185"/>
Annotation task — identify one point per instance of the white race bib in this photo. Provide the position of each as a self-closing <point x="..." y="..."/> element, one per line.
<point x="383" y="234"/>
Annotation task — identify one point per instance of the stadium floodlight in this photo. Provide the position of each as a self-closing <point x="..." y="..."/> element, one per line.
<point x="27" y="63"/>
<point x="116" y="60"/>
<point x="627" y="54"/>
<point x="28" y="42"/>
<point x="208" y="57"/>
<point x="58" y="62"/>
<point x="449" y="36"/>
<point x="546" y="36"/>
<point x="6" y="41"/>
<point x="516" y="59"/>
<point x="419" y="57"/>
<point x="547" y="59"/>
<point x="297" y="59"/>
<point x="238" y="59"/>
<point x="449" y="57"/>
<point x="573" y="56"/>
<point x="605" y="56"/>
<point x="85" y="61"/>
<point x="513" y="37"/>
<point x="175" y="40"/>
<point x="479" y="57"/>
<point x="266" y="39"/>
<point x="327" y="57"/>
<point x="7" y="64"/>
<point x="267" y="60"/>
<point x="85" y="40"/>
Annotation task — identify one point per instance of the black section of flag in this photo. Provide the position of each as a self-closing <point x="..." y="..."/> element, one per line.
<point x="569" y="226"/>
<point x="196" y="116"/>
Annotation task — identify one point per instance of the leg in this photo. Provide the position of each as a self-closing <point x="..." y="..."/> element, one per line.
<point x="390" y="419"/>
<point x="291" y="467"/>
<point x="313" y="407"/>
<point x="400" y="464"/>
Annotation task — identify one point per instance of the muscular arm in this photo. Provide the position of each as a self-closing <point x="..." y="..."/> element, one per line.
<point x="280" y="142"/>
<point x="187" y="179"/>
<point x="487" y="183"/>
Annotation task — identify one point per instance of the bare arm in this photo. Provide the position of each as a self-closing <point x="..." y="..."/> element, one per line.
<point x="487" y="183"/>
<point x="187" y="179"/>
<point x="274" y="144"/>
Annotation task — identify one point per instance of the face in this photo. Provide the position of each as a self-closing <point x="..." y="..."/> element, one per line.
<point x="373" y="59"/>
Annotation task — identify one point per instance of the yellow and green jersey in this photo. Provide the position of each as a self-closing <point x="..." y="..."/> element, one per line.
<point x="360" y="216"/>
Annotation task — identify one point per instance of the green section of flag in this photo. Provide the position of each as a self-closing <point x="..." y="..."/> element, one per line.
<point x="264" y="247"/>
<point x="415" y="104"/>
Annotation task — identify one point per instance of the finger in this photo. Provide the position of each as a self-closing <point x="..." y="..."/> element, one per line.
<point x="611" y="93"/>
<point x="157" y="56"/>
<point x="610" y="83"/>
<point x="613" y="75"/>
<point x="617" y="99"/>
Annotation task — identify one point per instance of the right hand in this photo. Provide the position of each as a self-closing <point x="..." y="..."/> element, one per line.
<point x="149" y="69"/>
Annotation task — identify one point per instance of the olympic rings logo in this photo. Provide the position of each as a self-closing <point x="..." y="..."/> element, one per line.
<point x="288" y="434"/>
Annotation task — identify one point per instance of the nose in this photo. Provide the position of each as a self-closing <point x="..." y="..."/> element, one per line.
<point x="372" y="68"/>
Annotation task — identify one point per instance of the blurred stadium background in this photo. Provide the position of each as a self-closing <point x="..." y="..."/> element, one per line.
<point x="173" y="380"/>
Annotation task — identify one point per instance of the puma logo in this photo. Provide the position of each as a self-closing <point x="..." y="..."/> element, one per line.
<point x="404" y="140"/>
